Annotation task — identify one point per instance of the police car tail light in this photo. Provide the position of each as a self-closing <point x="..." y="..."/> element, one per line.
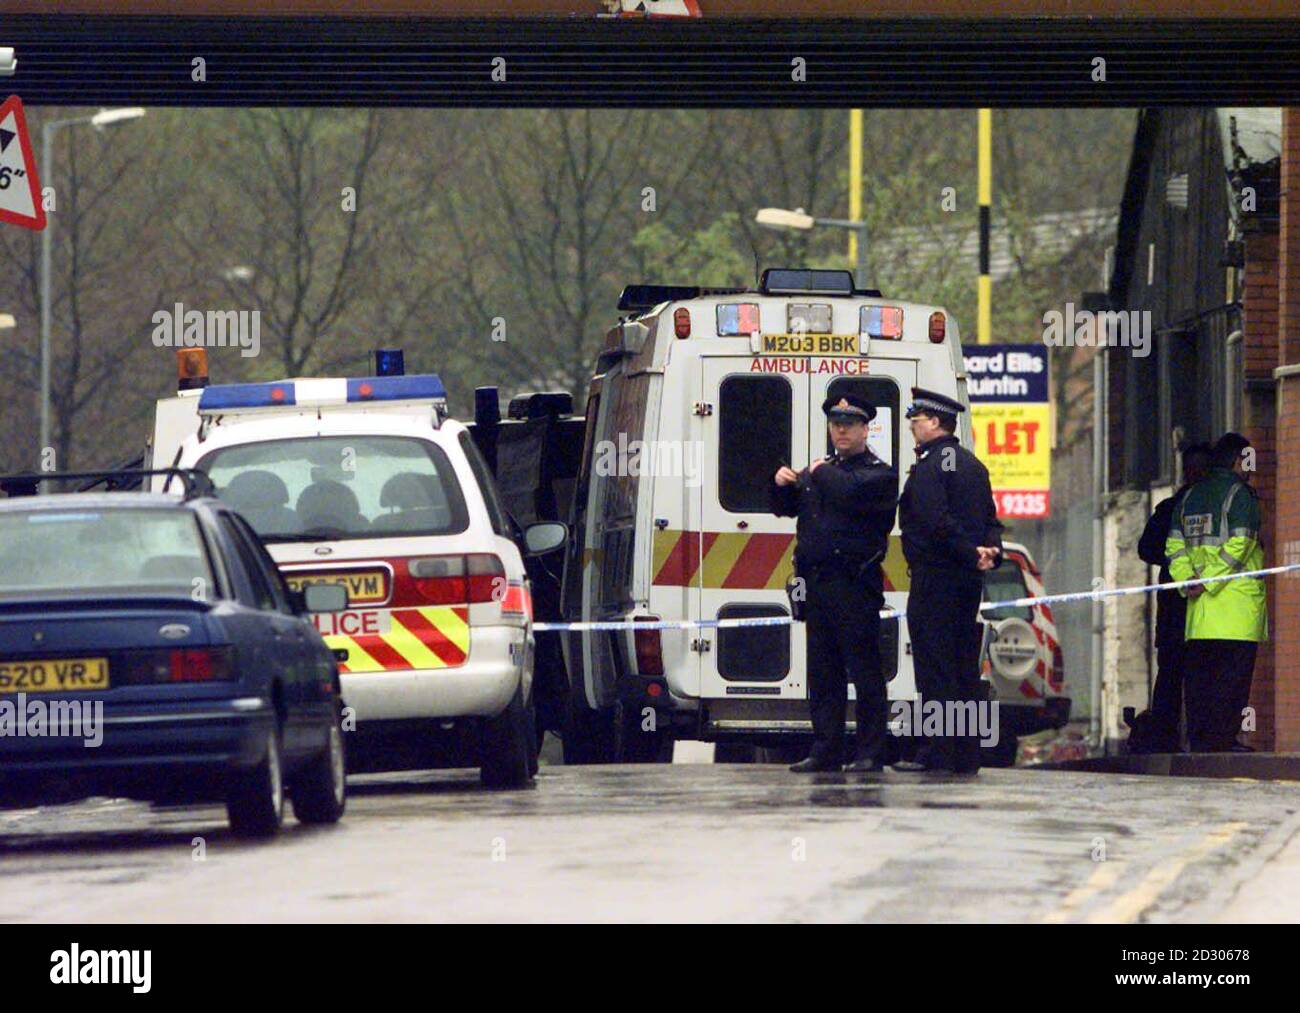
<point x="881" y="322"/>
<point x="456" y="580"/>
<point x="199" y="664"/>
<point x="938" y="327"/>
<point x="435" y="580"/>
<point x="682" y="322"/>
<point x="649" y="648"/>
<point x="487" y="577"/>
<point x="737" y="318"/>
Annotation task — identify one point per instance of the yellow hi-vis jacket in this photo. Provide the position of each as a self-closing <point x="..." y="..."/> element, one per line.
<point x="1215" y="532"/>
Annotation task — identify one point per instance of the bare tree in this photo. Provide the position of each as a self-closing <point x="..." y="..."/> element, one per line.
<point x="108" y="274"/>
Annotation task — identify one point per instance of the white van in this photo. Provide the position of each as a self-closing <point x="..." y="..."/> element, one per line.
<point x="698" y="397"/>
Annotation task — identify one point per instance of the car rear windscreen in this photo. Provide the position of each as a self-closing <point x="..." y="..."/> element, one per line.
<point x="1006" y="583"/>
<point x="337" y="487"/>
<point x="119" y="550"/>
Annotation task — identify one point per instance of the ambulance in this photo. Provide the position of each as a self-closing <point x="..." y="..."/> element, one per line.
<point x="698" y="396"/>
<point x="368" y="483"/>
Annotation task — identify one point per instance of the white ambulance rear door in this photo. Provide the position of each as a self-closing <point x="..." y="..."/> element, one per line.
<point x="754" y="424"/>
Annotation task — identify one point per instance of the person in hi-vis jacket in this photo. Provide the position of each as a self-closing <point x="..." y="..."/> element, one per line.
<point x="1215" y="532"/>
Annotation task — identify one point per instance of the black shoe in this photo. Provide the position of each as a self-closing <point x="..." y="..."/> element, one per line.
<point x="865" y="765"/>
<point x="814" y="765"/>
<point x="910" y="766"/>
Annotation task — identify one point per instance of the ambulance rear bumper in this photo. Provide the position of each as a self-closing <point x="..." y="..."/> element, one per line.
<point x="481" y="687"/>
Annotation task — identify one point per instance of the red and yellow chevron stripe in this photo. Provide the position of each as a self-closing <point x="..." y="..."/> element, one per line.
<point x="740" y="559"/>
<point x="435" y="637"/>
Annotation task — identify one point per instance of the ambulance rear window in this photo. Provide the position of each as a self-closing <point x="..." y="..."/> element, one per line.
<point x="338" y="487"/>
<point x="754" y="439"/>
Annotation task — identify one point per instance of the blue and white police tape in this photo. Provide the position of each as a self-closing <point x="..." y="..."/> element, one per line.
<point x="1047" y="599"/>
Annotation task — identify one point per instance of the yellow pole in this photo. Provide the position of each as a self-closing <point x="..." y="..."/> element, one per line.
<point x="984" y="320"/>
<point x="855" y="180"/>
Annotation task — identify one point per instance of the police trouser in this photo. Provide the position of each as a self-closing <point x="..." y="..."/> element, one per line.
<point x="943" y="624"/>
<point x="843" y="627"/>
<point x="1218" y="690"/>
<point x="1167" y="696"/>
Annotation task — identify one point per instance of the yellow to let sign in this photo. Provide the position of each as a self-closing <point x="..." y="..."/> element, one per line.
<point x="1014" y="442"/>
<point x="810" y="344"/>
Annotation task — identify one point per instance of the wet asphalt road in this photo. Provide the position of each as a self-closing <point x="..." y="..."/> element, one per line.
<point x="692" y="842"/>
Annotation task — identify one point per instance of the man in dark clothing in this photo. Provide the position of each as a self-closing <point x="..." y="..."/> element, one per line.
<point x="951" y="535"/>
<point x="1157" y="730"/>
<point x="845" y="503"/>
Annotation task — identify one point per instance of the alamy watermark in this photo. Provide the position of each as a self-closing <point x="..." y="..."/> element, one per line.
<point x="31" y="717"/>
<point x="660" y="458"/>
<point x="946" y="718"/>
<point x="182" y="328"/>
<point x="1104" y="329"/>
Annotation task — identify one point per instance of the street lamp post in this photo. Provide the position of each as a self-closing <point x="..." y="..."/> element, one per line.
<point x="101" y="119"/>
<point x="780" y="218"/>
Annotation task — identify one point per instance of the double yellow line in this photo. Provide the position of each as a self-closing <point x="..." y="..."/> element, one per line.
<point x="1128" y="906"/>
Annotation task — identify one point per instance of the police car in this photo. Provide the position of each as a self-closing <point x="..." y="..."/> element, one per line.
<point x="367" y="483"/>
<point x="1022" y="658"/>
<point x="698" y="396"/>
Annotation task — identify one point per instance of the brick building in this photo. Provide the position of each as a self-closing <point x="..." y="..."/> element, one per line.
<point x="1208" y="246"/>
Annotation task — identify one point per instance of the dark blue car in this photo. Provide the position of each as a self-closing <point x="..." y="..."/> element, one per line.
<point x="150" y="649"/>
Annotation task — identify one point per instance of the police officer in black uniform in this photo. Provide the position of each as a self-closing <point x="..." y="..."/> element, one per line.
<point x="951" y="535"/>
<point x="845" y="503"/>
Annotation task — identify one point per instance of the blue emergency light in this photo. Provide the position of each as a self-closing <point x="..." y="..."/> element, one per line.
<point x="417" y="387"/>
<point x="247" y="395"/>
<point x="389" y="362"/>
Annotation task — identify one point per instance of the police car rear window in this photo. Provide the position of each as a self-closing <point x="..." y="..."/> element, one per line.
<point x="340" y="487"/>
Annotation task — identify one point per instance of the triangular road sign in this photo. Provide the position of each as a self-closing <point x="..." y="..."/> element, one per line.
<point x="20" y="190"/>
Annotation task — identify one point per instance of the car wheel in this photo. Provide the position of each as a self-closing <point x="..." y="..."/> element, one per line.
<point x="578" y="736"/>
<point x="320" y="792"/>
<point x="535" y="736"/>
<point x="506" y="745"/>
<point x="633" y="744"/>
<point x="255" y="803"/>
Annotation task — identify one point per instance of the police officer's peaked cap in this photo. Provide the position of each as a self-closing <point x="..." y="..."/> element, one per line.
<point x="849" y="408"/>
<point x="927" y="402"/>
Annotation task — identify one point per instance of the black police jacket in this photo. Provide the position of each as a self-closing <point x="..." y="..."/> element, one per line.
<point x="1171" y="607"/>
<point x="947" y="509"/>
<point x="845" y="509"/>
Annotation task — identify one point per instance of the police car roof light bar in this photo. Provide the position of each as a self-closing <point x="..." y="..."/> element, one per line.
<point x="195" y="483"/>
<point x="321" y="392"/>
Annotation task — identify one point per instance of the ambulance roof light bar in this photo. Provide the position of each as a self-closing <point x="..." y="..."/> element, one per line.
<point x="645" y="297"/>
<point x="812" y="281"/>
